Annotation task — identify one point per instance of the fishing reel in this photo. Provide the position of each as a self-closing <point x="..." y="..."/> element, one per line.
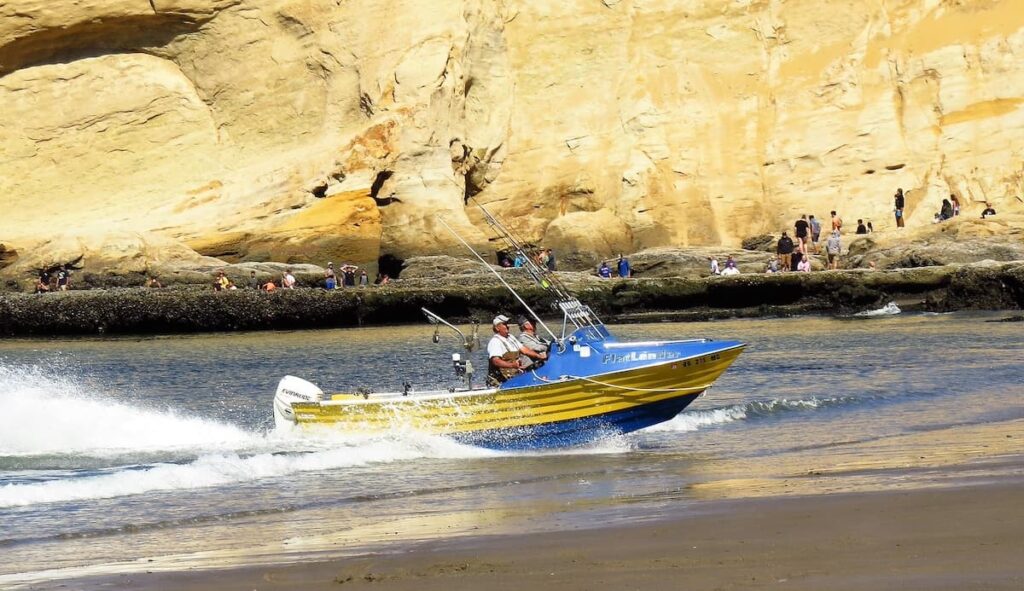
<point x="463" y="368"/>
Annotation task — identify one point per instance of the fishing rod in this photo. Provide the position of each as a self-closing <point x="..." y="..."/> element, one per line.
<point x="582" y="316"/>
<point x="502" y="280"/>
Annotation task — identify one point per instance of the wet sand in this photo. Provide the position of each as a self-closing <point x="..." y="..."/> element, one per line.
<point x="965" y="537"/>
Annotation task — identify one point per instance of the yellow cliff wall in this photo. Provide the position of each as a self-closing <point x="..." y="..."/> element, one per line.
<point x="300" y="130"/>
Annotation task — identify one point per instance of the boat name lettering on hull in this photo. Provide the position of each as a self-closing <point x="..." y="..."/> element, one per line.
<point x="633" y="356"/>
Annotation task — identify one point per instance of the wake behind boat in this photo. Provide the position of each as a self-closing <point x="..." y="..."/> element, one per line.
<point x="590" y="386"/>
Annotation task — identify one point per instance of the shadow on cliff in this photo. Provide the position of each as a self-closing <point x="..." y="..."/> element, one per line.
<point x="139" y="34"/>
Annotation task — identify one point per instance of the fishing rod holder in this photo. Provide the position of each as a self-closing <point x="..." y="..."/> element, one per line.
<point x="463" y="368"/>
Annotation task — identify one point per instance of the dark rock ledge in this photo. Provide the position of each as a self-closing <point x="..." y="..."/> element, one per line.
<point x="983" y="286"/>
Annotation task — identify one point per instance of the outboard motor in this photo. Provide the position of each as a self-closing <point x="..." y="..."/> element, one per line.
<point x="292" y="389"/>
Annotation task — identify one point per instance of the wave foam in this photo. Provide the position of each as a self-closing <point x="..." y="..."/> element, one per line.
<point x="694" y="420"/>
<point x="225" y="469"/>
<point x="890" y="309"/>
<point x="47" y="416"/>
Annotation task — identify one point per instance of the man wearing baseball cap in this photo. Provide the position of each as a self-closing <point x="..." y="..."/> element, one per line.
<point x="503" y="352"/>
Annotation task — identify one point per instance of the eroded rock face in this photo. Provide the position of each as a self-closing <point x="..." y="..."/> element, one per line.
<point x="299" y="131"/>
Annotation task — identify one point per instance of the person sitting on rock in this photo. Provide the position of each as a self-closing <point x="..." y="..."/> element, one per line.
<point x="773" y="265"/>
<point x="988" y="211"/>
<point x="604" y="271"/>
<point x="730" y="267"/>
<point x="947" y="210"/>
<point x="269" y="286"/>
<point x="861" y="228"/>
<point x="43" y="283"/>
<point x="153" y="283"/>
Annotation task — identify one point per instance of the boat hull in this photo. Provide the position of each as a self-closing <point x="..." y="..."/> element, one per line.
<point x="551" y="411"/>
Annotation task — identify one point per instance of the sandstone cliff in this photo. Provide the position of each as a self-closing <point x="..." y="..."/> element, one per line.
<point x="163" y="132"/>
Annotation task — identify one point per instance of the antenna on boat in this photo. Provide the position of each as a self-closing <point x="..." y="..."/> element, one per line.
<point x="502" y="280"/>
<point x="575" y="311"/>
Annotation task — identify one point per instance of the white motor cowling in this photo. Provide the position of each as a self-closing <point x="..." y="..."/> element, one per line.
<point x="292" y="389"/>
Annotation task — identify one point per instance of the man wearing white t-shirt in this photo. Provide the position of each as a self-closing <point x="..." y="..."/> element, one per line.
<point x="503" y="352"/>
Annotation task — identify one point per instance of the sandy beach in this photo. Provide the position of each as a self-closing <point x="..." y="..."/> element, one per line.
<point x="966" y="537"/>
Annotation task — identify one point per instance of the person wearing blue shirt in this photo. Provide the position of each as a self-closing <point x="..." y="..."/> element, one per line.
<point x="624" y="270"/>
<point x="604" y="270"/>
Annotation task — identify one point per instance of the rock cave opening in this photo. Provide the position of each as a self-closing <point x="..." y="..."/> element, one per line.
<point x="390" y="265"/>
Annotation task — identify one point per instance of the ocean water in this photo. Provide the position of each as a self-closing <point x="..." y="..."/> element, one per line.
<point x="126" y="454"/>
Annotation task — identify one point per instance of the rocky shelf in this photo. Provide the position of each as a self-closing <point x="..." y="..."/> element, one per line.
<point x="987" y="286"/>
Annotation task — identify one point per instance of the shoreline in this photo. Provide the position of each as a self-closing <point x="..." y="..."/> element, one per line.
<point x="985" y="286"/>
<point x="960" y="537"/>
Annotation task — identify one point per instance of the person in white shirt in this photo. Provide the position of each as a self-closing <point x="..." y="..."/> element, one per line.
<point x="503" y="351"/>
<point x="715" y="270"/>
<point x="288" y="281"/>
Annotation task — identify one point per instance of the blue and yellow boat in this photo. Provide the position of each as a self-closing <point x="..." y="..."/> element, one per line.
<point x="591" y="386"/>
<point x="591" y="389"/>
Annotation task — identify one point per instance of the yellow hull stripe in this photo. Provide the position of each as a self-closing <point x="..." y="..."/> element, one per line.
<point x="575" y="398"/>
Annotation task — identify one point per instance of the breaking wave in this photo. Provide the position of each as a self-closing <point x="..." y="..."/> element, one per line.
<point x="62" y="442"/>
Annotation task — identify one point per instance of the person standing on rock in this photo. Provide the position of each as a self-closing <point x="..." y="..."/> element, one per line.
<point x="833" y="247"/>
<point x="551" y="260"/>
<point x="63" y="278"/>
<point x="815" y="233"/>
<point x="254" y="282"/>
<point x="288" y="281"/>
<point x="784" y="249"/>
<point x="956" y="204"/>
<point x="899" y="202"/>
<point x="624" y="269"/>
<point x="802" y="229"/>
<point x="837" y="222"/>
<point x="348" y="275"/>
<point x="715" y="270"/>
<point x="364" y="279"/>
<point x="330" y="279"/>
